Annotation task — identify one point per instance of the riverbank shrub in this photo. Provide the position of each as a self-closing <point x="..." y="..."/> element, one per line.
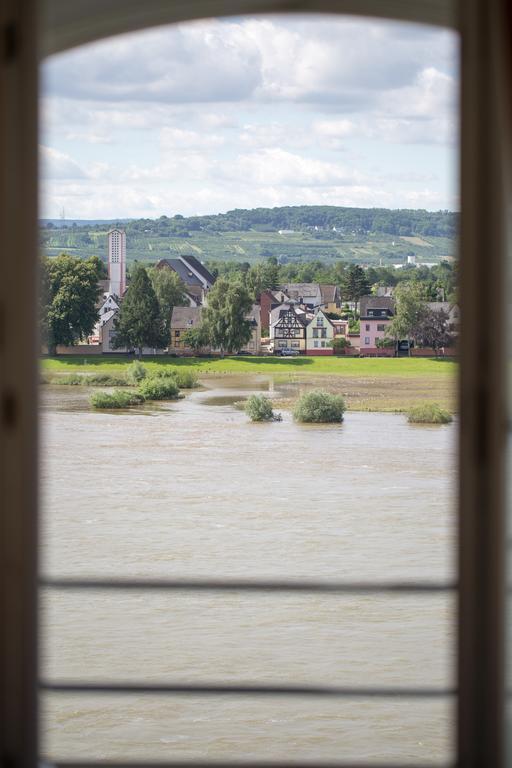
<point x="120" y="398"/>
<point x="259" y="408"/>
<point x="92" y="380"/>
<point x="184" y="378"/>
<point x="429" y="413"/>
<point x="104" y="380"/>
<point x="319" y="407"/>
<point x="136" y="372"/>
<point x="159" y="388"/>
<point x="71" y="379"/>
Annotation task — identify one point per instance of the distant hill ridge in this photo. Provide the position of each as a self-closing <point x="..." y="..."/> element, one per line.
<point x="321" y="218"/>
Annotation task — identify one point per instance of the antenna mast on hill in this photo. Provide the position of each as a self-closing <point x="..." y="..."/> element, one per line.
<point x="63" y="214"/>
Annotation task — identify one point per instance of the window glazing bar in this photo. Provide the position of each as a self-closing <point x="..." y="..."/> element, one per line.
<point x="221" y="585"/>
<point x="248" y="689"/>
<point x="240" y="764"/>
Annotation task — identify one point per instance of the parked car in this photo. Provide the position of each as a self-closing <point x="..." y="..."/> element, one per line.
<point x="289" y="352"/>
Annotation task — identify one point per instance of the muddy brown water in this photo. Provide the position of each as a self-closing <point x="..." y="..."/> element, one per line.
<point x="193" y="489"/>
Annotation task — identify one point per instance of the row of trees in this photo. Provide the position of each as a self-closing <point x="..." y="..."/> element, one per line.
<point x="145" y="314"/>
<point x="438" y="282"/>
<point x="306" y="217"/>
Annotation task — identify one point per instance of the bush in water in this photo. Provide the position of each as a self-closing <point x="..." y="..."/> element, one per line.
<point x="319" y="407"/>
<point x="159" y="388"/>
<point x="259" y="408"/>
<point x="118" y="399"/>
<point x="429" y="413"/>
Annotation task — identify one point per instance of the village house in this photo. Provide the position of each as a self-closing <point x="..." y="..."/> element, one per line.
<point x="195" y="276"/>
<point x="319" y="335"/>
<point x="311" y="295"/>
<point x="288" y="328"/>
<point x="376" y="314"/>
<point x="340" y="327"/>
<point x="107" y="305"/>
<point x="183" y="319"/>
<point x="267" y="301"/>
<point x="253" y="346"/>
<point x="186" y="318"/>
<point x="308" y="294"/>
<point x="330" y="298"/>
<point x="107" y="333"/>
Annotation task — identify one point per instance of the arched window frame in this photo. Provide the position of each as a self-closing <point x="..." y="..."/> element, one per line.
<point x="30" y="28"/>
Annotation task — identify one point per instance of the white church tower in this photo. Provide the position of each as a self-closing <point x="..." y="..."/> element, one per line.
<point x="117" y="261"/>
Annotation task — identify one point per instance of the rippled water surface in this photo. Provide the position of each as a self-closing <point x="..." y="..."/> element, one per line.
<point x="193" y="489"/>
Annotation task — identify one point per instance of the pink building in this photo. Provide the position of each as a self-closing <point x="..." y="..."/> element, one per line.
<point x="376" y="315"/>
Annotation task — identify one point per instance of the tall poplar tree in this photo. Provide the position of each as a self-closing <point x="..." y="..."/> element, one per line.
<point x="355" y="284"/>
<point x="140" y="321"/>
<point x="410" y="309"/>
<point x="170" y="292"/>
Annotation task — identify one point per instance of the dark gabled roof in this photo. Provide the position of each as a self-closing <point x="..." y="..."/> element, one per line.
<point x="196" y="264"/>
<point x="384" y="314"/>
<point x="375" y="302"/>
<point x="301" y="317"/>
<point x="181" y="270"/>
<point x="301" y="290"/>
<point x="329" y="293"/>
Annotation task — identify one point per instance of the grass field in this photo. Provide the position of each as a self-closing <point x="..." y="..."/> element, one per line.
<point x="369" y="384"/>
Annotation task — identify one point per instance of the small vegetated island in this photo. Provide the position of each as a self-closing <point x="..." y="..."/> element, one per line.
<point x="160" y="385"/>
<point x="429" y="413"/>
<point x="259" y="408"/>
<point x="319" y="407"/>
<point x="316" y="407"/>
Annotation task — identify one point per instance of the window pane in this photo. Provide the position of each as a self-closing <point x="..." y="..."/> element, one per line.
<point x="298" y="163"/>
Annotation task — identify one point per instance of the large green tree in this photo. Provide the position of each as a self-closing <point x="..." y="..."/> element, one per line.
<point x="434" y="329"/>
<point x="262" y="276"/>
<point x="355" y="284"/>
<point x="223" y="320"/>
<point x="69" y="297"/>
<point x="170" y="292"/>
<point x="140" y="321"/>
<point x="410" y="310"/>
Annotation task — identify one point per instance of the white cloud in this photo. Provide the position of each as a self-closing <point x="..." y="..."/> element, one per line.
<point x="277" y="166"/>
<point x="88" y="137"/>
<point x="218" y="114"/>
<point x="57" y="165"/>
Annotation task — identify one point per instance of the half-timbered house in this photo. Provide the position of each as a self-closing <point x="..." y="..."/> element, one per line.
<point x="288" y="329"/>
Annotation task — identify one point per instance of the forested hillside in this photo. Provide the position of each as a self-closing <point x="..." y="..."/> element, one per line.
<point x="302" y="233"/>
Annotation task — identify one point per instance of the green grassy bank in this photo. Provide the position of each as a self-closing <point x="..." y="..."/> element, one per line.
<point x="299" y="366"/>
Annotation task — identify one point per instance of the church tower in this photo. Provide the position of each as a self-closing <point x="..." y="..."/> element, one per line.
<point x="117" y="261"/>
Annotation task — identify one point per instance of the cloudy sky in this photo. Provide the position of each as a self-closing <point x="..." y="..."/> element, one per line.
<point x="239" y="113"/>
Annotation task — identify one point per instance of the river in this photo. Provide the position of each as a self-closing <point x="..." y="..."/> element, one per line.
<point x="193" y="489"/>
